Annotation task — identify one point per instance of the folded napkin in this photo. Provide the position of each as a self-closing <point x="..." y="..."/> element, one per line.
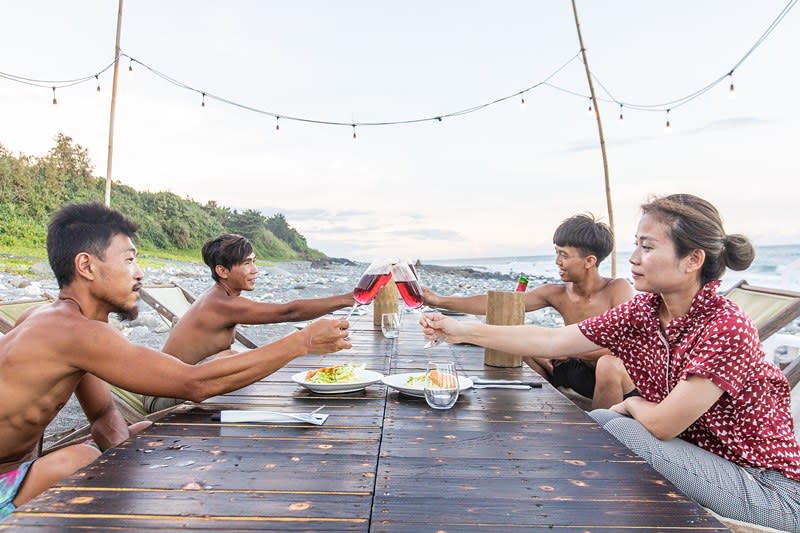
<point x="273" y="417"/>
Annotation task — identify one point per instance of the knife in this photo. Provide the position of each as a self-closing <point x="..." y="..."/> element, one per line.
<point x="481" y="381"/>
<point x="500" y="386"/>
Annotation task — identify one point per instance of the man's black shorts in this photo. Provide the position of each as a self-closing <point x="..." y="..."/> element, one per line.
<point x="575" y="374"/>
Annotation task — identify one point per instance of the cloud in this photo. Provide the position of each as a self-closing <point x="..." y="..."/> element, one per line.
<point x="714" y="126"/>
<point x="728" y="124"/>
<point x="428" y="234"/>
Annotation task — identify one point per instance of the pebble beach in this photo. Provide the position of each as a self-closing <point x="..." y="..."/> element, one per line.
<point x="277" y="282"/>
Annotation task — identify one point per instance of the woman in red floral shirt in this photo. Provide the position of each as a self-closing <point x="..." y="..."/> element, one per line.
<point x="713" y="416"/>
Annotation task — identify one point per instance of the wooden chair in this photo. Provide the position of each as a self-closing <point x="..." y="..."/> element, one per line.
<point x="11" y="310"/>
<point x="770" y="310"/>
<point x="171" y="301"/>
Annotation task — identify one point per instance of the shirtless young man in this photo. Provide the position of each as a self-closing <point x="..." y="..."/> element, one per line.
<point x="69" y="347"/>
<point x="581" y="244"/>
<point x="208" y="327"/>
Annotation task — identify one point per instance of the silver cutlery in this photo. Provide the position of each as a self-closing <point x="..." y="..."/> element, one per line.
<point x="485" y="381"/>
<point x="499" y="386"/>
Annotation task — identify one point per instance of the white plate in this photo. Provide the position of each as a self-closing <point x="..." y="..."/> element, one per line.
<point x="400" y="383"/>
<point x="367" y="377"/>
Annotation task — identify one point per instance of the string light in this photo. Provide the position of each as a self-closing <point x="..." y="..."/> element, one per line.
<point x="667" y="127"/>
<point x="673" y="104"/>
<point x="203" y="102"/>
<point x="621" y="118"/>
<point x="277" y="125"/>
<point x="522" y="103"/>
<point x="355" y="137"/>
<point x="590" y="111"/>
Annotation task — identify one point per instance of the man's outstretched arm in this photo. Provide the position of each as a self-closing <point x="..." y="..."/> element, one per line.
<point x="476" y="305"/>
<point x="245" y="311"/>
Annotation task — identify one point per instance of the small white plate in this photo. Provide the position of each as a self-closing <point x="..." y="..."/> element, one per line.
<point x="400" y="383"/>
<point x="367" y="377"/>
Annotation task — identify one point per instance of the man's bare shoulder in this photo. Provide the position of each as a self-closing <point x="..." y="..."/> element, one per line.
<point x="618" y="291"/>
<point x="549" y="289"/>
<point x="57" y="324"/>
<point x="217" y="307"/>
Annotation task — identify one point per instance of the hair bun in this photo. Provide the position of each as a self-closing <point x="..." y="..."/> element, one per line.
<point x="738" y="251"/>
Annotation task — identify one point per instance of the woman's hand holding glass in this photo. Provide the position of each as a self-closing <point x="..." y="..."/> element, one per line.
<point x="437" y="328"/>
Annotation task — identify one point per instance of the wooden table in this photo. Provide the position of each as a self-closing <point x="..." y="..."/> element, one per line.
<point x="499" y="460"/>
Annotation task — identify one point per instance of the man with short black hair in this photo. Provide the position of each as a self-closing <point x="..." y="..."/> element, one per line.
<point x="68" y="347"/>
<point x="208" y="327"/>
<point x="581" y="243"/>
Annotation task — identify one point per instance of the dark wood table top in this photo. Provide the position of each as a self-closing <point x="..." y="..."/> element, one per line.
<point x="499" y="460"/>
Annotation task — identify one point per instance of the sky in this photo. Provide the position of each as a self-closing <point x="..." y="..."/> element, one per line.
<point x="491" y="183"/>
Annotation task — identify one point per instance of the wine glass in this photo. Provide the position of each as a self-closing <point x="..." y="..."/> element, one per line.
<point x="441" y="385"/>
<point x="372" y="280"/>
<point x="407" y="284"/>
<point x="390" y="325"/>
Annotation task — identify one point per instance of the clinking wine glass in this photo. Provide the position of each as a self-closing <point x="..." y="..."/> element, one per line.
<point x="407" y="284"/>
<point x="374" y="278"/>
<point x="407" y="280"/>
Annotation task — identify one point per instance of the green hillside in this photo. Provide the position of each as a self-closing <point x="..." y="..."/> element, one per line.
<point x="31" y="188"/>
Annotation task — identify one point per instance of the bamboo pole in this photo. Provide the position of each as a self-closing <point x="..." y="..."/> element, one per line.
<point x="602" y="141"/>
<point x="113" y="107"/>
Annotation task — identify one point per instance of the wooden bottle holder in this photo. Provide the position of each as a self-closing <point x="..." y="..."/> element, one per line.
<point x="504" y="308"/>
<point x="385" y="302"/>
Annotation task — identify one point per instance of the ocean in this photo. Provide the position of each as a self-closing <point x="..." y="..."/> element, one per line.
<point x="774" y="266"/>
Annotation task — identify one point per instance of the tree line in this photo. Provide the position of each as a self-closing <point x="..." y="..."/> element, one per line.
<point x="31" y="188"/>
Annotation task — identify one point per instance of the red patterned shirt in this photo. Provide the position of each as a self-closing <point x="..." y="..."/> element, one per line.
<point x="751" y="423"/>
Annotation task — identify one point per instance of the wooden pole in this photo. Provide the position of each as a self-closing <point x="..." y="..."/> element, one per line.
<point x="113" y="107"/>
<point x="602" y="142"/>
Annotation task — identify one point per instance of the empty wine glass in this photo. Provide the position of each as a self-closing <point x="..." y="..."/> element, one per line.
<point x="390" y="325"/>
<point x="441" y="385"/>
<point x="372" y="280"/>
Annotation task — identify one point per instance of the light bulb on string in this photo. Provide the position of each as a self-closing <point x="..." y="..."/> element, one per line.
<point x="277" y="125"/>
<point x="355" y="137"/>
<point x="203" y="101"/>
<point x="54" y="96"/>
<point x="98" y="82"/>
<point x="130" y="65"/>
<point x="667" y="126"/>
<point x="731" y="90"/>
<point x="522" y="103"/>
<point x="590" y="111"/>
<point x="621" y="117"/>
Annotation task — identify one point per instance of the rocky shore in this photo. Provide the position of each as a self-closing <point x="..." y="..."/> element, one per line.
<point x="277" y="282"/>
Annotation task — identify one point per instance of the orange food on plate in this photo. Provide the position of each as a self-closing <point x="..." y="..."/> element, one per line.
<point x="442" y="380"/>
<point x="311" y="373"/>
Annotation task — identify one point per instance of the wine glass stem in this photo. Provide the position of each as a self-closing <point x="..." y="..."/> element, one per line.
<point x="352" y="311"/>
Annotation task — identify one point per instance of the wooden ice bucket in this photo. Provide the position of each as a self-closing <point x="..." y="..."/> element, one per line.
<point x="385" y="302"/>
<point x="504" y="308"/>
